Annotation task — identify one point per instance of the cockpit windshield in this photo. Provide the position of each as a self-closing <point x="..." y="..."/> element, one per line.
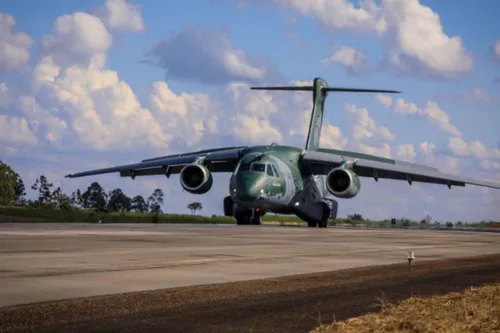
<point x="258" y="167"/>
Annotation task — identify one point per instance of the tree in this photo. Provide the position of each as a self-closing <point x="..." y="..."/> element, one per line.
<point x="8" y="181"/>
<point x="118" y="201"/>
<point x="94" y="197"/>
<point x="20" y="190"/>
<point x="139" y="204"/>
<point x="355" y="217"/>
<point x="44" y="190"/>
<point x="155" y="201"/>
<point x="194" y="206"/>
<point x="76" y="198"/>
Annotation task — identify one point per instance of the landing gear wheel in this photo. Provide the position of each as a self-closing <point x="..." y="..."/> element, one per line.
<point x="242" y="219"/>
<point x="326" y="214"/>
<point x="256" y="220"/>
<point x="312" y="224"/>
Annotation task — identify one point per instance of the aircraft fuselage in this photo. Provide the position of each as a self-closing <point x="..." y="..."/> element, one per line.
<point x="270" y="179"/>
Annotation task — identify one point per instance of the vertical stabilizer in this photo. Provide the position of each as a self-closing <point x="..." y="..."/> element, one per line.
<point x="319" y="96"/>
<point x="320" y="90"/>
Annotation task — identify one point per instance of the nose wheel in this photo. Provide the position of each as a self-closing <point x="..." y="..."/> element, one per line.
<point x="248" y="217"/>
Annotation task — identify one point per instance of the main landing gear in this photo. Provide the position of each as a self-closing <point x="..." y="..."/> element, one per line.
<point x="243" y="216"/>
<point x="248" y="217"/>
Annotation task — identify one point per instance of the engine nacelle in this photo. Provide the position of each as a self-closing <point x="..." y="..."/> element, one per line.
<point x="343" y="183"/>
<point x="196" y="179"/>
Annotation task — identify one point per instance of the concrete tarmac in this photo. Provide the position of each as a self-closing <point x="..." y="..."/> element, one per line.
<point x="42" y="262"/>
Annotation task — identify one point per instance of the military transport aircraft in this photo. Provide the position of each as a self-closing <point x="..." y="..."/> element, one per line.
<point x="283" y="179"/>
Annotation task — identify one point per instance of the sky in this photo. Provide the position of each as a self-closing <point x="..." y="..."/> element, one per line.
<point x="97" y="83"/>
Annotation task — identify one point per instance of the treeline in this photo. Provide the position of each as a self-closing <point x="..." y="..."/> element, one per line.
<point x="13" y="192"/>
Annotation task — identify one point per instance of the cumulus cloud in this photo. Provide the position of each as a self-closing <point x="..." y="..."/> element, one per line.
<point x="354" y="61"/>
<point x="16" y="131"/>
<point x="495" y="51"/>
<point x="121" y="15"/>
<point x="76" y="39"/>
<point x="365" y="127"/>
<point x="4" y="95"/>
<point x="487" y="164"/>
<point x="474" y="148"/>
<point x="405" y="108"/>
<point x="386" y="100"/>
<point x="14" y="47"/>
<point x="432" y="112"/>
<point x="207" y="56"/>
<point x="332" y="137"/>
<point x="437" y="116"/>
<point x="427" y="148"/>
<point x="382" y="151"/>
<point x="185" y="116"/>
<point x="415" y="41"/>
<point x="406" y="152"/>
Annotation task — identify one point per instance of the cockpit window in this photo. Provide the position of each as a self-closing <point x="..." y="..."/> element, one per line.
<point x="244" y="167"/>
<point x="275" y="171"/>
<point x="270" y="171"/>
<point x="258" y="167"/>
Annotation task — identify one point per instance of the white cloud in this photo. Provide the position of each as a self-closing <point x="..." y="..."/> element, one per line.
<point x="186" y="116"/>
<point x="415" y="40"/>
<point x="432" y="112"/>
<point x="437" y="116"/>
<point x="4" y="95"/>
<point x="121" y="15"/>
<point x="54" y="127"/>
<point x="386" y="100"/>
<point x="487" y="164"/>
<point x="365" y="127"/>
<point x="406" y="152"/>
<point x="427" y="148"/>
<point x="418" y="44"/>
<point x="495" y="51"/>
<point x="332" y="137"/>
<point x="384" y="151"/>
<point x="354" y="61"/>
<point x="76" y="39"/>
<point x="402" y="107"/>
<point x="103" y="110"/>
<point x="337" y="15"/>
<point x="212" y="58"/>
<point x="15" y="130"/>
<point x="14" y="47"/>
<point x="474" y="148"/>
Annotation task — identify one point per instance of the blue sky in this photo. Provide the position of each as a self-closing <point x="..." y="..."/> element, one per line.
<point x="96" y="83"/>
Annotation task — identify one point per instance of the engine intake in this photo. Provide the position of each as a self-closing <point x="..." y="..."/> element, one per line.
<point x="343" y="183"/>
<point x="196" y="178"/>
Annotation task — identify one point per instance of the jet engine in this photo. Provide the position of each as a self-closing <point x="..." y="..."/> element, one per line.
<point x="196" y="178"/>
<point x="343" y="183"/>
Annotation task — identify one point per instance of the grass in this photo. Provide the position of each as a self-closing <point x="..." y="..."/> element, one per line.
<point x="472" y="310"/>
<point x="40" y="215"/>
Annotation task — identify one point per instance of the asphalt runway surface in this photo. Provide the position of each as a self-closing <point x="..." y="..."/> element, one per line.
<point x="56" y="263"/>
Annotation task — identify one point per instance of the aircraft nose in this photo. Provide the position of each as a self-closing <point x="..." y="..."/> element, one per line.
<point x="248" y="189"/>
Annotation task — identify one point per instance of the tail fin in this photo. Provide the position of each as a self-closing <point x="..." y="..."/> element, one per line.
<point x="320" y="91"/>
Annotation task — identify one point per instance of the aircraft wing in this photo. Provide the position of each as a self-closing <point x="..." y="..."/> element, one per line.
<point x="322" y="162"/>
<point x="221" y="160"/>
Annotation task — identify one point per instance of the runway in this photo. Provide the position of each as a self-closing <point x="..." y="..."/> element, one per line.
<point x="43" y="262"/>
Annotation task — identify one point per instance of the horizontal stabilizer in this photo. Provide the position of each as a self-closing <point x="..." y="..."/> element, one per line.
<point x="333" y="89"/>
<point x="296" y="88"/>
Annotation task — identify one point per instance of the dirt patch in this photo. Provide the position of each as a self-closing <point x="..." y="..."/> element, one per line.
<point x="472" y="310"/>
<point x="288" y="304"/>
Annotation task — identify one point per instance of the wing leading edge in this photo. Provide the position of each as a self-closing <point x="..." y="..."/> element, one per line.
<point x="220" y="160"/>
<point x="322" y="162"/>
